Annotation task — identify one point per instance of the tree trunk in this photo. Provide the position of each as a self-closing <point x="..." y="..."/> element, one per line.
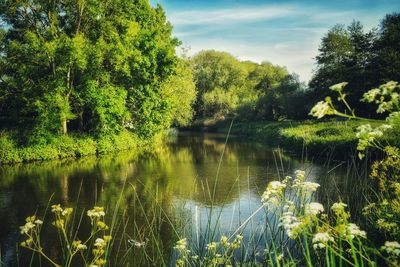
<point x="64" y="129"/>
<point x="81" y="121"/>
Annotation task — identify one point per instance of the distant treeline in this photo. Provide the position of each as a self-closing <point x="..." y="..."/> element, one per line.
<point x="229" y="87"/>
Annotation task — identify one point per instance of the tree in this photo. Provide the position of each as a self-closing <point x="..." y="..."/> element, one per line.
<point x="181" y="92"/>
<point x="344" y="55"/>
<point x="387" y="50"/>
<point x="217" y="75"/>
<point x="95" y="64"/>
<point x="227" y="86"/>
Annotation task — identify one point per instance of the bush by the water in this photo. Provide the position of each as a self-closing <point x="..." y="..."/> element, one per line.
<point x="64" y="147"/>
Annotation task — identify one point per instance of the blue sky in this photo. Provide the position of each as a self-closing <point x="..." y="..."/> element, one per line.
<point x="285" y="32"/>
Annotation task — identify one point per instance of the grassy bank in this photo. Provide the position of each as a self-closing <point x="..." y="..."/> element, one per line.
<point x="69" y="146"/>
<point x="336" y="138"/>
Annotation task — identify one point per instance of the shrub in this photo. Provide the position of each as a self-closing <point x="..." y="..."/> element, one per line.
<point x="384" y="211"/>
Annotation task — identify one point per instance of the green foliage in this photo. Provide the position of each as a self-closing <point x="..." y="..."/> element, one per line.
<point x="213" y="69"/>
<point x="386" y="96"/>
<point x="384" y="210"/>
<point x="387" y="47"/>
<point x="219" y="102"/>
<point x="85" y="65"/>
<point x="181" y="92"/>
<point x="333" y="138"/>
<point x="363" y="59"/>
<point x="227" y="86"/>
<point x="216" y="74"/>
<point x="8" y="152"/>
<point x="123" y="141"/>
<point x="59" y="147"/>
<point x="108" y="106"/>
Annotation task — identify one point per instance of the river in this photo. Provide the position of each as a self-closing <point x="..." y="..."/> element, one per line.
<point x="159" y="195"/>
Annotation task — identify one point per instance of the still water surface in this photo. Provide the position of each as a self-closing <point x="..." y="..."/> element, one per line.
<point x="157" y="194"/>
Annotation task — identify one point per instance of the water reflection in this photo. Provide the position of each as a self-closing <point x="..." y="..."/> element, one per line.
<point x="173" y="185"/>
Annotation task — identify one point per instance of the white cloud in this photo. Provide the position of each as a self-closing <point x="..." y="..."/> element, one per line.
<point x="234" y="15"/>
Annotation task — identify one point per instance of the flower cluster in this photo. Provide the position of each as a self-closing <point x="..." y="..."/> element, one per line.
<point x="339" y="87"/>
<point x="367" y="136"/>
<point x="291" y="224"/>
<point x="273" y="193"/>
<point x="314" y="208"/>
<point x="77" y="245"/>
<point x="30" y="225"/>
<point x="31" y="229"/>
<point x="339" y="209"/>
<point x="96" y="212"/>
<point x="217" y="253"/>
<point x="353" y="230"/>
<point x="320" y="240"/>
<point x="321" y="109"/>
<point x="181" y="245"/>
<point x="62" y="217"/>
<point x="300" y="175"/>
<point x="387" y="96"/>
<point x="306" y="187"/>
<point x="392" y="248"/>
<point x="100" y="245"/>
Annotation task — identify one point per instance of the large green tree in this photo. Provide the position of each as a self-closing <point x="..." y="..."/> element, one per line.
<point x="387" y="50"/>
<point x="217" y="75"/>
<point x="91" y="64"/>
<point x="181" y="91"/>
<point x="228" y="86"/>
<point x="344" y="55"/>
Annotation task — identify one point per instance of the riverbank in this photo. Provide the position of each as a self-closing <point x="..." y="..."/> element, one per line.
<point x="69" y="146"/>
<point x="317" y="138"/>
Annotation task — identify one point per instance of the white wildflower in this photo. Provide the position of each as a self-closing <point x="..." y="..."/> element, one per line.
<point x="306" y="186"/>
<point x="99" y="242"/>
<point x="211" y="246"/>
<point x="371" y="95"/>
<point x="56" y="208"/>
<point x="66" y="212"/>
<point x="314" y="208"/>
<point x="300" y="175"/>
<point x="225" y="241"/>
<point x="138" y="244"/>
<point x="291" y="224"/>
<point x="321" y="109"/>
<point x="289" y="206"/>
<point x="27" y="227"/>
<point x="96" y="212"/>
<point x="81" y="247"/>
<point x="181" y="244"/>
<point x="338" y="206"/>
<point x="273" y="192"/>
<point x="338" y="87"/>
<point x="321" y="239"/>
<point x="353" y="230"/>
<point x="392" y="247"/>
<point x="367" y="135"/>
